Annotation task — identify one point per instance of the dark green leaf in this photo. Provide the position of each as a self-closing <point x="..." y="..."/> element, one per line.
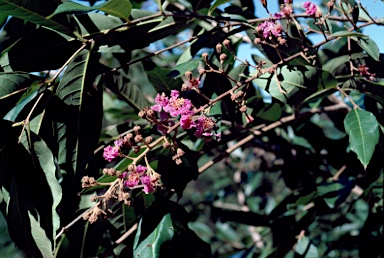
<point x="151" y="246"/>
<point x="35" y="11"/>
<point x="216" y="4"/>
<point x="15" y="81"/>
<point x="363" y="130"/>
<point x="79" y="113"/>
<point x="297" y="81"/>
<point x="31" y="54"/>
<point x="180" y="69"/>
<point x="161" y="79"/>
<point x="91" y="23"/>
<point x="347" y="34"/>
<point x="25" y="99"/>
<point x="369" y="46"/>
<point x="335" y="192"/>
<point x="118" y="8"/>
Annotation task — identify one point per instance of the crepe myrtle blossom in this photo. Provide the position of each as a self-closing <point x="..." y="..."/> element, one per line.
<point x="310" y="8"/>
<point x="110" y="153"/>
<point x="141" y="176"/>
<point x="173" y="105"/>
<point x="270" y="28"/>
<point x="205" y="128"/>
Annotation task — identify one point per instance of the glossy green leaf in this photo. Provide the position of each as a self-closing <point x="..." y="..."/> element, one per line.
<point x="363" y="130"/>
<point x="299" y="82"/>
<point x="150" y="246"/>
<point x="118" y="8"/>
<point x="41" y="239"/>
<point x="35" y="11"/>
<point x="369" y="46"/>
<point x="216" y="4"/>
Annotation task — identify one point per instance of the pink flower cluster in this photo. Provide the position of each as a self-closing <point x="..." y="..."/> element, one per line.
<point x="174" y="105"/>
<point x="270" y="28"/>
<point x="110" y="152"/>
<point x="139" y="177"/>
<point x="177" y="106"/>
<point x="286" y="10"/>
<point x="310" y="8"/>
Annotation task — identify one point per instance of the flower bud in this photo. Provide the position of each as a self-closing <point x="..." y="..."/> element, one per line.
<point x="148" y="139"/>
<point x="205" y="57"/>
<point x="264" y="3"/>
<point x="223" y="57"/>
<point x="219" y="48"/>
<point x="243" y="109"/>
<point x="227" y="44"/>
<point x="202" y="71"/>
<point x="257" y="41"/>
<point x="136" y="129"/>
<point x="188" y="74"/>
<point x="330" y="5"/>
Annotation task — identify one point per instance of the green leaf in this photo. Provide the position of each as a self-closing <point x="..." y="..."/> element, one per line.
<point x="78" y="113"/>
<point x="345" y="33"/>
<point x="118" y="8"/>
<point x="363" y="130"/>
<point x="305" y="247"/>
<point x="92" y="23"/>
<point x="41" y="239"/>
<point x="35" y="11"/>
<point x="161" y="79"/>
<point x="27" y="97"/>
<point x="31" y="54"/>
<point x="369" y="46"/>
<point x="216" y="4"/>
<point x="15" y="81"/>
<point x="180" y="69"/>
<point x="335" y="192"/>
<point x="150" y="246"/>
<point x="336" y="65"/>
<point x="297" y="81"/>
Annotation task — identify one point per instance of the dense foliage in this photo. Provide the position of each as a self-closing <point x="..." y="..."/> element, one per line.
<point x="140" y="129"/>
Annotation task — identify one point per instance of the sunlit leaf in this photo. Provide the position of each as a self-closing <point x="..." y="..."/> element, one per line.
<point x="363" y="130"/>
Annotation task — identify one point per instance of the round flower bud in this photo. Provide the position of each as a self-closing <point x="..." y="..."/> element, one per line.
<point x="243" y="108"/>
<point x="219" y="48"/>
<point x="202" y="71"/>
<point x="227" y="44"/>
<point x="257" y="41"/>
<point x="148" y="139"/>
<point x="205" y="57"/>
<point x="223" y="57"/>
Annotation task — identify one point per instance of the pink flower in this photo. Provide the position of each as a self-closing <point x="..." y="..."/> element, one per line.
<point x="145" y="180"/>
<point x="110" y="153"/>
<point x="287" y="10"/>
<point x="148" y="189"/>
<point x="204" y="126"/>
<point x="277" y="16"/>
<point x="271" y="28"/>
<point x="161" y="101"/>
<point x="140" y="169"/>
<point x="178" y="106"/>
<point x="310" y="8"/>
<point x="186" y="122"/>
<point x="131" y="183"/>
<point x="123" y="175"/>
<point x="118" y="142"/>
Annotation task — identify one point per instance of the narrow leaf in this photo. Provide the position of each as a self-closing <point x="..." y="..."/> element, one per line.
<point x="345" y="33"/>
<point x="363" y="130"/>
